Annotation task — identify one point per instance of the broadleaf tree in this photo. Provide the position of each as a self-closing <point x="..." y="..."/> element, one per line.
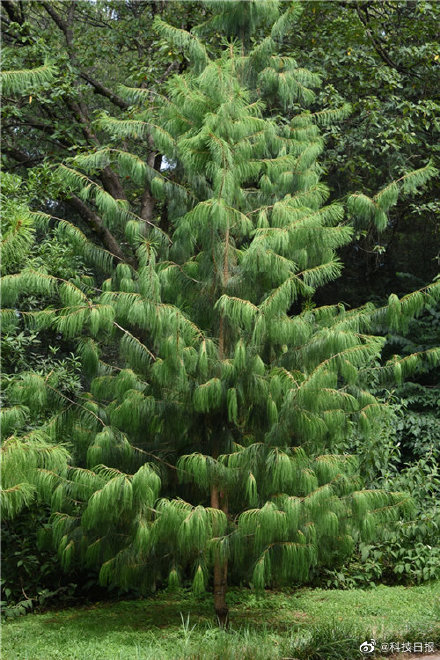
<point x="206" y="447"/>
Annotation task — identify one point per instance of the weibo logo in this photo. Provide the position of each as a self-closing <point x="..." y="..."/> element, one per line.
<point x="368" y="647"/>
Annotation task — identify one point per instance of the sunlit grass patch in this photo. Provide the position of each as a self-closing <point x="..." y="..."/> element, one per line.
<point x="308" y="624"/>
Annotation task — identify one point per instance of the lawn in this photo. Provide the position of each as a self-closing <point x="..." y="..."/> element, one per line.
<point x="308" y="624"/>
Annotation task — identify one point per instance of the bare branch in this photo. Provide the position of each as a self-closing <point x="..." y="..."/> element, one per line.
<point x="105" y="91"/>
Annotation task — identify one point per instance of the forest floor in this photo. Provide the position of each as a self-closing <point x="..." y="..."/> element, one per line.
<point x="307" y="624"/>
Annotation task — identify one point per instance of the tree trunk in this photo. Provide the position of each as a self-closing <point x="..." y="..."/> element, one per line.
<point x="219" y="501"/>
<point x="148" y="202"/>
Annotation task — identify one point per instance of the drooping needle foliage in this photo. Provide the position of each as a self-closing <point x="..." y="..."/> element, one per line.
<point x="206" y="446"/>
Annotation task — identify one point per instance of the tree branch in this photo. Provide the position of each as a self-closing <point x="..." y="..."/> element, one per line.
<point x="96" y="223"/>
<point x="14" y="11"/>
<point x="364" y="18"/>
<point x="61" y="23"/>
<point x="105" y="91"/>
<point x="21" y="158"/>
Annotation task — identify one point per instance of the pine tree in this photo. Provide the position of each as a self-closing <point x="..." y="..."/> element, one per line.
<point x="26" y="395"/>
<point x="211" y="449"/>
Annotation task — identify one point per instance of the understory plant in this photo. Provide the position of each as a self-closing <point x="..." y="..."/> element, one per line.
<point x="404" y="456"/>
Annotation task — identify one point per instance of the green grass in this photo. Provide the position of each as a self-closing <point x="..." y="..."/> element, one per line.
<point x="309" y="624"/>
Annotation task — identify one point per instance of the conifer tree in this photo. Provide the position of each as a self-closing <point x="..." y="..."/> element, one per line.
<point x="210" y="451"/>
<point x="36" y="387"/>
